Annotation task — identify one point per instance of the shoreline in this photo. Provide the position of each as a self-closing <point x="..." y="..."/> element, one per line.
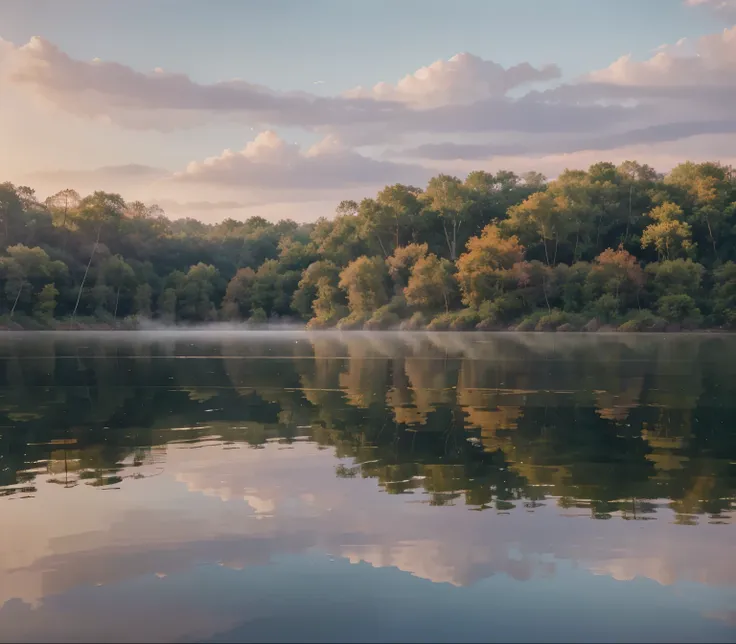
<point x="216" y="327"/>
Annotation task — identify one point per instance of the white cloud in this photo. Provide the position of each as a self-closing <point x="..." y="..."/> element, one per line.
<point x="270" y="163"/>
<point x="727" y="7"/>
<point x="461" y="80"/>
<point x="463" y="94"/>
<point x="168" y="100"/>
<point x="452" y="115"/>
<point x="709" y="61"/>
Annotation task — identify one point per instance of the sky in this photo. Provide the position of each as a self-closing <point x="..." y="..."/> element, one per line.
<point x="282" y="108"/>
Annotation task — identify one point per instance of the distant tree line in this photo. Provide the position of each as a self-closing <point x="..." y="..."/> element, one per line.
<point x="614" y="246"/>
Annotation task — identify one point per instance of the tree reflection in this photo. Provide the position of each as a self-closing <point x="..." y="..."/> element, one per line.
<point x="612" y="426"/>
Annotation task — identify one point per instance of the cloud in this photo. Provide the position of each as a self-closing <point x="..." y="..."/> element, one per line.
<point x="133" y="171"/>
<point x="203" y="206"/>
<point x="463" y="79"/>
<point x="270" y="163"/>
<point x="683" y="91"/>
<point x="725" y="7"/>
<point x="458" y="111"/>
<point x="130" y="179"/>
<point x="115" y="91"/>
<point x="709" y="61"/>
<point x="464" y="94"/>
<point x="667" y="132"/>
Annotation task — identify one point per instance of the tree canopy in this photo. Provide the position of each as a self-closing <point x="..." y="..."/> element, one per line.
<point x="612" y="245"/>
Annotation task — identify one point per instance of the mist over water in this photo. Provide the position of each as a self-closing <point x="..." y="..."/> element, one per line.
<point x="222" y="484"/>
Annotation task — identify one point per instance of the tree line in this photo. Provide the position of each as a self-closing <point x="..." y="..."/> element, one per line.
<point x="614" y="247"/>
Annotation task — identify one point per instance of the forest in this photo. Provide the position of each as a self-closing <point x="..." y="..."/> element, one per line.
<point x="614" y="248"/>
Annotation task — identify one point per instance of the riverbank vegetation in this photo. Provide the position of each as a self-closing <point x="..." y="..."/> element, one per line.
<point x="618" y="247"/>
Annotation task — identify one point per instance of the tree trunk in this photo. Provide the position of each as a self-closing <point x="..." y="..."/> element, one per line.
<point x="86" y="270"/>
<point x="454" y="239"/>
<point x="546" y="252"/>
<point x="447" y="238"/>
<point x="117" y="300"/>
<point x="64" y="233"/>
<point x="712" y="238"/>
<point x="380" y="243"/>
<point x="17" y="297"/>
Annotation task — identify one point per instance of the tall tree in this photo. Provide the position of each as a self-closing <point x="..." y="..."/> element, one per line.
<point x="432" y="284"/>
<point x="446" y="195"/>
<point x="669" y="234"/>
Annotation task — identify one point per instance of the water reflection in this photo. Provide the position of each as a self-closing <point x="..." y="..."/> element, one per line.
<point x="464" y="460"/>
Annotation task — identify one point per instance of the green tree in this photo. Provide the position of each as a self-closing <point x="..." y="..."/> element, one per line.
<point x="617" y="273"/>
<point x="142" y="300"/>
<point x="196" y="292"/>
<point x="238" y="300"/>
<point x="446" y="195"/>
<point x="670" y="235"/>
<point x="46" y="302"/>
<point x="678" y="308"/>
<point x="675" y="277"/>
<point x="481" y="271"/>
<point x="25" y="270"/>
<point x="317" y="280"/>
<point x="545" y="217"/>
<point x="401" y="263"/>
<point x="432" y="284"/>
<point x="61" y="204"/>
<point x="167" y="305"/>
<point x="724" y="294"/>
<point x="364" y="281"/>
<point x="118" y="275"/>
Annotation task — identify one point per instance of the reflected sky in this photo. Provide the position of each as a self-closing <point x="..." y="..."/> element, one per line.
<point x="326" y="487"/>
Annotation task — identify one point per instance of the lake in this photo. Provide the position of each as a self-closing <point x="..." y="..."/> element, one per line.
<point x="287" y="486"/>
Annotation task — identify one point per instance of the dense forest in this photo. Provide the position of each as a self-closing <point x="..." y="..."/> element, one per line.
<point x="611" y="247"/>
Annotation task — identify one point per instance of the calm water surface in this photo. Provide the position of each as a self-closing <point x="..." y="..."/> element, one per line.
<point x="429" y="487"/>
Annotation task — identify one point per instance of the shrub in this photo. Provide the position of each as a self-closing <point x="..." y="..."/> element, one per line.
<point x="530" y="322"/>
<point x="258" y="317"/>
<point x="551" y="321"/>
<point x="606" y="307"/>
<point x="488" y="324"/>
<point x="414" y="323"/>
<point x="643" y="321"/>
<point x="384" y="318"/>
<point x="465" y="320"/>
<point x="679" y="309"/>
<point x="318" y="324"/>
<point x="352" y="322"/>
<point x="503" y="309"/>
<point x="397" y="305"/>
<point x="441" y="322"/>
<point x="592" y="325"/>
